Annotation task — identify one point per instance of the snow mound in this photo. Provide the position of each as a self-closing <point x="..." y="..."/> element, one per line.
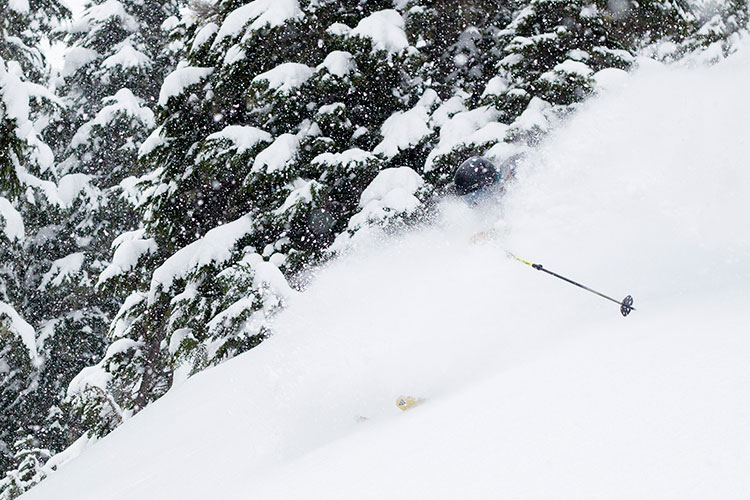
<point x="213" y="248"/>
<point x="12" y="221"/>
<point x="405" y="129"/>
<point x="244" y="137"/>
<point x="258" y="14"/>
<point x="176" y="82"/>
<point x="338" y="63"/>
<point x="386" y="30"/>
<point x="285" y="77"/>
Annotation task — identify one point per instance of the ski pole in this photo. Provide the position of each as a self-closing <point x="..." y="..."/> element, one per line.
<point x="626" y="305"/>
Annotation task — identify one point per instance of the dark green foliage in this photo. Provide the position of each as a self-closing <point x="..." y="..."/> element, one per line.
<point x="457" y="41"/>
<point x="28" y="459"/>
<point x="547" y="33"/>
<point x="11" y="151"/>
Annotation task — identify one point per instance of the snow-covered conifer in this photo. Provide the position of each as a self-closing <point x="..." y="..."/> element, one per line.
<point x="29" y="460"/>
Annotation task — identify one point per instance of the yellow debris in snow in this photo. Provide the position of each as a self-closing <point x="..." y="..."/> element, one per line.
<point x="406" y="402"/>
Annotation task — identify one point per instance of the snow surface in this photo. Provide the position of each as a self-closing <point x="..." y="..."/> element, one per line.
<point x="127" y="255"/>
<point x="574" y="67"/>
<point x="392" y="192"/>
<point x="67" y="267"/>
<point x="234" y="54"/>
<point x="153" y="141"/>
<point x="534" y="388"/>
<point x="534" y="116"/>
<point x="275" y="156"/>
<point x="460" y="129"/>
<point x="127" y="57"/>
<point x="496" y="86"/>
<point x="394" y="188"/>
<point x="20" y="6"/>
<point x="302" y="192"/>
<point x="69" y="186"/>
<point x="350" y="157"/>
<point x="123" y="102"/>
<point x="203" y="35"/>
<point x="96" y="15"/>
<point x="75" y="58"/>
<point x="339" y="29"/>
<point x="15" y="94"/>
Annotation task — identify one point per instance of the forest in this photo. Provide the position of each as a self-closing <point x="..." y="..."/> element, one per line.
<point x="168" y="184"/>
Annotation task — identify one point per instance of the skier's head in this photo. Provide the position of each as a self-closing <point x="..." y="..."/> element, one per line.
<point x="474" y="174"/>
<point x="475" y="179"/>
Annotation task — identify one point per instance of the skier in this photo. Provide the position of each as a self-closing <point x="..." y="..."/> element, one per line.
<point x="478" y="181"/>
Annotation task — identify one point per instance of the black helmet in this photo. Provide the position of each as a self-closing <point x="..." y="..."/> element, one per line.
<point x="474" y="174"/>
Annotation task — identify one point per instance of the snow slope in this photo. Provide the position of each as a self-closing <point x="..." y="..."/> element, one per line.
<point x="535" y="389"/>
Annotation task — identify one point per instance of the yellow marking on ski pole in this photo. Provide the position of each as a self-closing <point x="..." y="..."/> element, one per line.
<point x="521" y="260"/>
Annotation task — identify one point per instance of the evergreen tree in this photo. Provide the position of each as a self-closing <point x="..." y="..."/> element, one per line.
<point x="30" y="460"/>
<point x="113" y="72"/>
<point x="27" y="192"/>
<point x="77" y="209"/>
